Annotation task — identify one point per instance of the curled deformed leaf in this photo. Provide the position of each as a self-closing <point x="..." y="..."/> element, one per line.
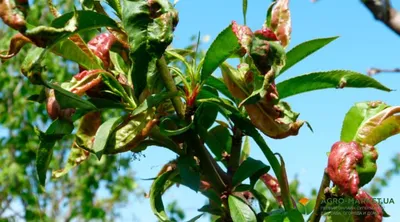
<point x="266" y="52"/>
<point x="131" y="132"/>
<point x="272" y="116"/>
<point x="16" y="43"/>
<point x="83" y="141"/>
<point x="11" y="14"/>
<point x="380" y="126"/>
<point x="273" y="185"/>
<point x="281" y="21"/>
<point x="54" y="109"/>
<point x="101" y="45"/>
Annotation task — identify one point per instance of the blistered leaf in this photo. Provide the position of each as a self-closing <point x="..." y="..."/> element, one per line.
<point x="266" y="52"/>
<point x="150" y="26"/>
<point x="240" y="211"/>
<point x="370" y="209"/>
<point x="324" y="80"/>
<point x="101" y="46"/>
<point x="303" y="50"/>
<point x="342" y="163"/>
<point x="281" y="21"/>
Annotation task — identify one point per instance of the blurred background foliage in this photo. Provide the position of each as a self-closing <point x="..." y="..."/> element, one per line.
<point x="94" y="190"/>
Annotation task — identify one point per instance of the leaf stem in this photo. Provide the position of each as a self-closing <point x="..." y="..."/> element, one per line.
<point x="170" y="85"/>
<point x="316" y="214"/>
<point x="234" y="159"/>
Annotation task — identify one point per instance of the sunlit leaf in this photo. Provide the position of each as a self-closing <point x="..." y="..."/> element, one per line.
<point x="240" y="211"/>
<point x="303" y="50"/>
<point x="327" y="79"/>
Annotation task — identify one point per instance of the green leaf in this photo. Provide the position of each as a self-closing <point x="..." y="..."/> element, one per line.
<point x="189" y="172"/>
<point x="168" y="132"/>
<point x="222" y="48"/>
<point x="245" y="150"/>
<point x="262" y="200"/>
<point x="244" y="5"/>
<point x="219" y="140"/>
<point x="249" y="168"/>
<point x="71" y="51"/>
<point x="152" y="101"/>
<point x="370" y="123"/>
<point x="269" y="14"/>
<point x="86" y="20"/>
<point x="115" y="86"/>
<point x="159" y="186"/>
<point x="205" y="115"/>
<point x="149" y="35"/>
<point x="356" y="116"/>
<point x="328" y="79"/>
<point x="67" y="99"/>
<point x="56" y="131"/>
<point x="102" y="135"/>
<point x="116" y="5"/>
<point x="303" y="50"/>
<point x="194" y="219"/>
<point x="220" y="86"/>
<point x="43" y="158"/>
<point x="240" y="211"/>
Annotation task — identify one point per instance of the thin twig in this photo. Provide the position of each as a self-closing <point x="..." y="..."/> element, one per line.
<point x="316" y="214"/>
<point x="374" y="71"/>
<point x="384" y="12"/>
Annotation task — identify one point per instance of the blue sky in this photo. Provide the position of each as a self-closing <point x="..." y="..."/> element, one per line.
<point x="363" y="43"/>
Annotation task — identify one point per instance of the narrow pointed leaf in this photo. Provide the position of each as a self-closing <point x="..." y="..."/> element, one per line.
<point x="327" y="79"/>
<point x="240" y="211"/>
<point x="303" y="50"/>
<point x="222" y="48"/>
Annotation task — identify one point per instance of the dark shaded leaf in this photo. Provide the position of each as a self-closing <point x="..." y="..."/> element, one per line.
<point x="248" y="169"/>
<point x="219" y="140"/>
<point x="159" y="186"/>
<point x="102" y="135"/>
<point x="189" y="173"/>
